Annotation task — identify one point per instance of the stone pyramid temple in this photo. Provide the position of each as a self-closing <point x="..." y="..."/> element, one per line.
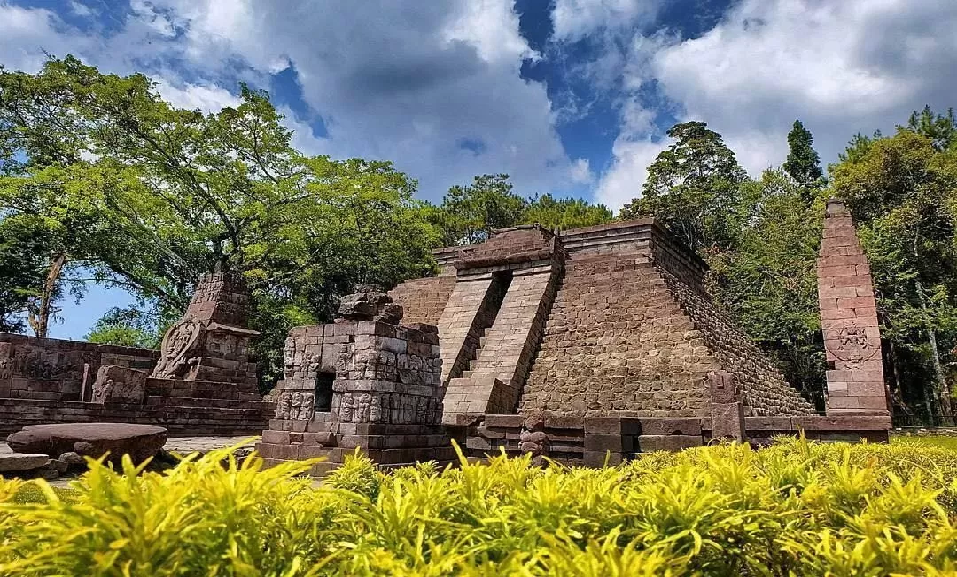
<point x="599" y="339"/>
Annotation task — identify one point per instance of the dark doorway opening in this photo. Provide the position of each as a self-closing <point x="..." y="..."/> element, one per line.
<point x="324" y="392"/>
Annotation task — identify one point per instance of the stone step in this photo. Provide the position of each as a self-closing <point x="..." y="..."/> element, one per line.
<point x="22" y="462"/>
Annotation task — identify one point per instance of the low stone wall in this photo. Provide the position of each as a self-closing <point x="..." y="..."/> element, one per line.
<point x="180" y="416"/>
<point x="59" y="370"/>
<point x="45" y="381"/>
<point x="595" y="441"/>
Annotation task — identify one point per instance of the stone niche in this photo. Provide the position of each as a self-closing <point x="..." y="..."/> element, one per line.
<point x="364" y="381"/>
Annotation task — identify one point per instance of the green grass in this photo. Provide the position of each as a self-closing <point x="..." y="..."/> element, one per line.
<point x="937" y="441"/>
<point x="32" y="493"/>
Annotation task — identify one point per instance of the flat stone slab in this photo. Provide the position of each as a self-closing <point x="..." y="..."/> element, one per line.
<point x="140" y="442"/>
<point x="203" y="445"/>
<point x="19" y="462"/>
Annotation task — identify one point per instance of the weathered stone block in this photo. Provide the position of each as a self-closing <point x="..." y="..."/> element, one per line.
<point x="651" y="443"/>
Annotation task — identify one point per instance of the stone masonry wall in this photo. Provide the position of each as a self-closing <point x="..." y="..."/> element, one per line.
<point x="424" y="299"/>
<point x="763" y="390"/>
<point x="470" y="309"/>
<point x="852" y="339"/>
<point x="616" y="342"/>
<point x="494" y="381"/>
<point x="52" y="381"/>
<point x="58" y="370"/>
<point x="632" y="332"/>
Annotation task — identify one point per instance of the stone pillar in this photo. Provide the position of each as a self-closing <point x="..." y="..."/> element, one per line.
<point x="727" y="411"/>
<point x="852" y="340"/>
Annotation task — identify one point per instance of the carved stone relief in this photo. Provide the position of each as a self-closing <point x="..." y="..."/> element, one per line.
<point x="850" y="344"/>
<point x="179" y="344"/>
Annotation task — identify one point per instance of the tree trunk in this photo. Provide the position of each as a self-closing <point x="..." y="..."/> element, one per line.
<point x="39" y="318"/>
<point x="942" y="390"/>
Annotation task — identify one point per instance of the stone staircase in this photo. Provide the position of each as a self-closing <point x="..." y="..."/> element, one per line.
<point x="493" y="377"/>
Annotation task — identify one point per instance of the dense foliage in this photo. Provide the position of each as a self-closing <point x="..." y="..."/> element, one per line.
<point x="797" y="508"/>
<point x="468" y="214"/>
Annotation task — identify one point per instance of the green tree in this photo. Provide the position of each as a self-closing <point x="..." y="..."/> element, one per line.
<point x="24" y="246"/>
<point x="941" y="129"/>
<point x="769" y="282"/>
<point x="693" y="189"/>
<point x="803" y="162"/>
<point x="149" y="197"/>
<point x="127" y="327"/>
<point x="564" y="213"/>
<point x="902" y="191"/>
<point x="468" y="214"/>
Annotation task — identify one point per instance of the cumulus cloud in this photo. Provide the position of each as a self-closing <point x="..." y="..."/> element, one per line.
<point x="580" y="172"/>
<point x="25" y="33"/>
<point x="840" y="67"/>
<point x="575" y="19"/>
<point x="196" y="96"/>
<point x="435" y="88"/>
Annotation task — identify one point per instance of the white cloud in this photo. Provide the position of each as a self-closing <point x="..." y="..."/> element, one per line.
<point x="840" y="67"/>
<point x="622" y="182"/>
<point x="80" y="9"/>
<point x="435" y="88"/>
<point x="408" y="82"/>
<point x="575" y="19"/>
<point x="580" y="172"/>
<point x="25" y="33"/>
<point x="492" y="27"/>
<point x="195" y="96"/>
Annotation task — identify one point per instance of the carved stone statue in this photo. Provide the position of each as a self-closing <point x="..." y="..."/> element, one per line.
<point x="283" y="405"/>
<point x="375" y="409"/>
<point x="102" y="391"/>
<point x="307" y="411"/>
<point x="347" y="408"/>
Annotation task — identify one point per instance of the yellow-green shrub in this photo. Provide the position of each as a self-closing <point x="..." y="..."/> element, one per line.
<point x="797" y="508"/>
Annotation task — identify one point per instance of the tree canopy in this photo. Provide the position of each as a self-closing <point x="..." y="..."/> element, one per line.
<point x="141" y="194"/>
<point x="803" y="162"/>
<point x="693" y="188"/>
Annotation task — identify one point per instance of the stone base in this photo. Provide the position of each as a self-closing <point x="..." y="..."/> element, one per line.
<point x="94" y="440"/>
<point x="597" y="441"/>
<point x="180" y="415"/>
<point x="388" y="445"/>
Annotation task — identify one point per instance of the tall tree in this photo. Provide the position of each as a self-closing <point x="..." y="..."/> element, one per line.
<point x="768" y="283"/>
<point x="564" y="213"/>
<point x="468" y="214"/>
<point x="693" y="189"/>
<point x="902" y="190"/>
<point x="25" y="244"/>
<point x="803" y="162"/>
<point x="941" y="129"/>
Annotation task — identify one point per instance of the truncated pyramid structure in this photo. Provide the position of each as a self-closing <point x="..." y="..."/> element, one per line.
<point x="603" y="333"/>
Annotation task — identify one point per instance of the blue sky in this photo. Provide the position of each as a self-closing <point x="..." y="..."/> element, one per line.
<point x="570" y="97"/>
